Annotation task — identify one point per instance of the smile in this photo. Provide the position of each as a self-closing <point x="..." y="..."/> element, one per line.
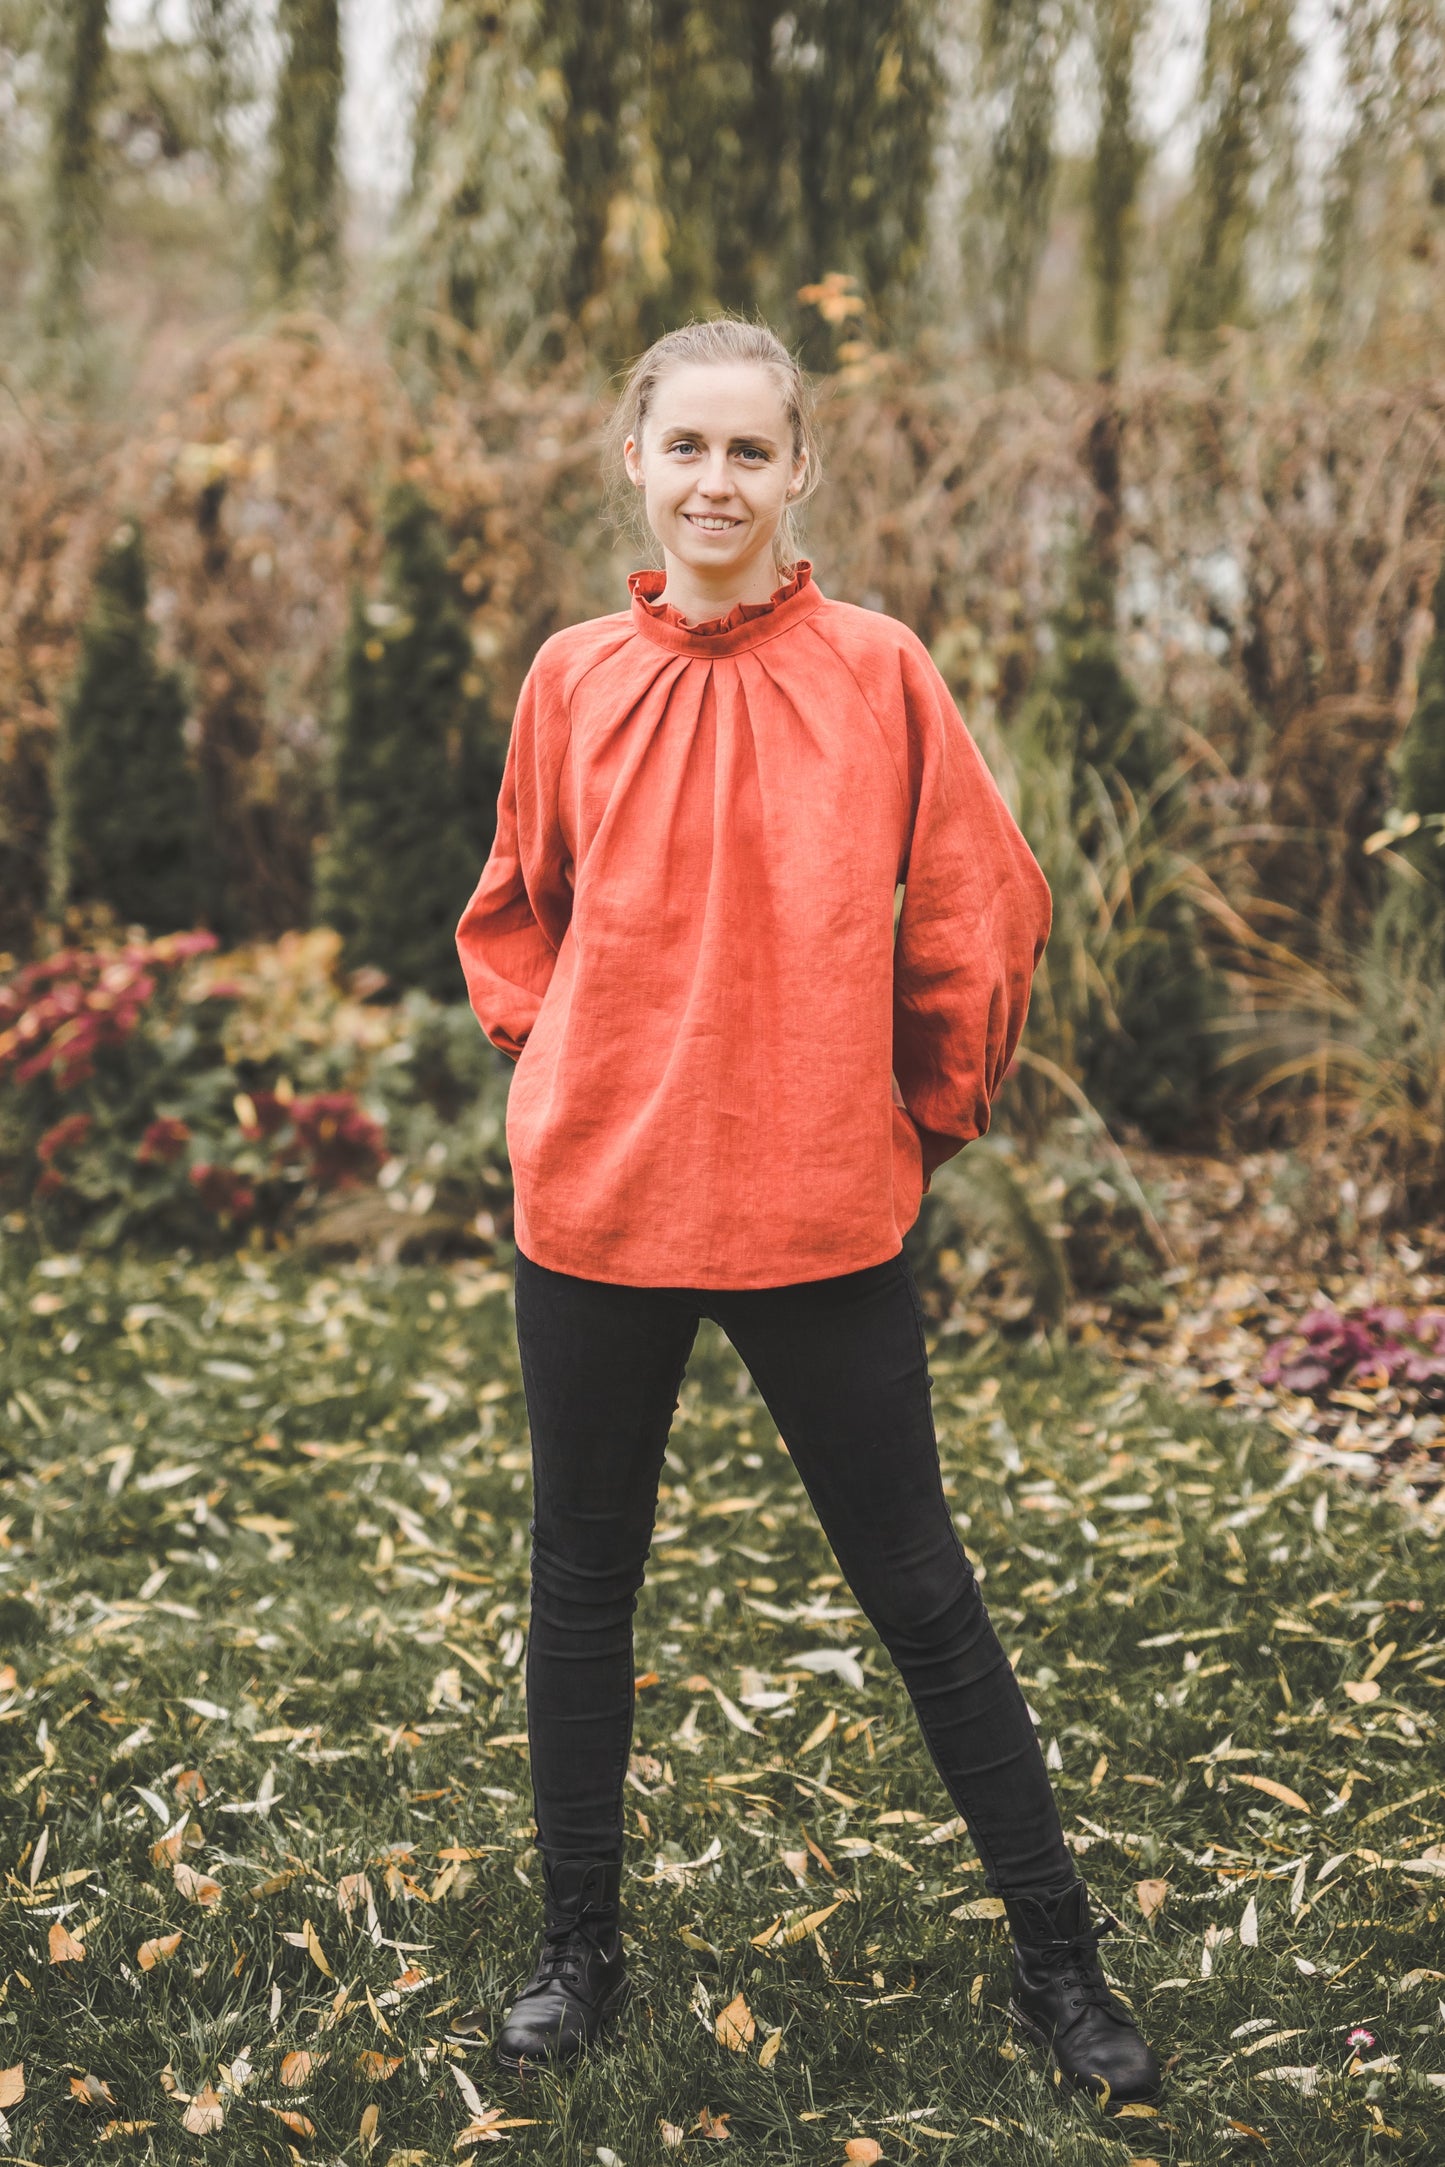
<point x="710" y="523"/>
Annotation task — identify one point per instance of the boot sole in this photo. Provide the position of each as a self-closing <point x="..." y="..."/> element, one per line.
<point x="1039" y="2038"/>
<point x="517" y="2065"/>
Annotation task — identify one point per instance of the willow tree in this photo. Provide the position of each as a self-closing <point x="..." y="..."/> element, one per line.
<point x="1251" y="57"/>
<point x="1118" y="165"/>
<point x="301" y="216"/>
<point x="76" y="54"/>
<point x="1021" y="47"/>
<point x="868" y="115"/>
<point x="720" y="121"/>
<point x="483" y="240"/>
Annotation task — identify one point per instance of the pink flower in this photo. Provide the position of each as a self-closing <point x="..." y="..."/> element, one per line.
<point x="163" y="1142"/>
<point x="72" y="1130"/>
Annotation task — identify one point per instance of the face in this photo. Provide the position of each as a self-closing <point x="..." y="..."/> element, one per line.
<point x="716" y="465"/>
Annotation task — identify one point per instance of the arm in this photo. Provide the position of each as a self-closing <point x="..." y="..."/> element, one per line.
<point x="976" y="913"/>
<point x="513" y="926"/>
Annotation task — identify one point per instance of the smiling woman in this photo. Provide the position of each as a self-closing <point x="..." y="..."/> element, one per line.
<point x="735" y="1075"/>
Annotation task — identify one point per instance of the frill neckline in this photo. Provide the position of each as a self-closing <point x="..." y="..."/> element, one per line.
<point x="742" y="624"/>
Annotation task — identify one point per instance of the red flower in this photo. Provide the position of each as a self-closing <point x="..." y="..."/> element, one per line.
<point x="163" y="1142"/>
<point x="223" y="1191"/>
<point x="342" y="1142"/>
<point x="72" y="1130"/>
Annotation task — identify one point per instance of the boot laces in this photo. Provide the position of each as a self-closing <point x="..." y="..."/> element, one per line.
<point x="564" y="1946"/>
<point x="1076" y="1966"/>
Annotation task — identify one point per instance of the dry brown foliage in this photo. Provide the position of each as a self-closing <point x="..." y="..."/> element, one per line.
<point x="1275" y="552"/>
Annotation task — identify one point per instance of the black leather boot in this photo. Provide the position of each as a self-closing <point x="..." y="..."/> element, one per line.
<point x="579" y="1982"/>
<point x="1063" y="2002"/>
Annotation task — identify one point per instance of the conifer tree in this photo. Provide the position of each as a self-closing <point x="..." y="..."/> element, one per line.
<point x="76" y="64"/>
<point x="125" y="797"/>
<point x="301" y="222"/>
<point x="415" y="769"/>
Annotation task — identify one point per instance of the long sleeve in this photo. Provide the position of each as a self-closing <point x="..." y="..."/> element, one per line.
<point x="975" y="917"/>
<point x="513" y="926"/>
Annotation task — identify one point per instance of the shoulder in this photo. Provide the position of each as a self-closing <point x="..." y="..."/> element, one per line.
<point x="869" y="634"/>
<point x="561" y="661"/>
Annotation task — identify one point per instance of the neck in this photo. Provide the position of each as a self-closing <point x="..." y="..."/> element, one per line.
<point x="700" y="594"/>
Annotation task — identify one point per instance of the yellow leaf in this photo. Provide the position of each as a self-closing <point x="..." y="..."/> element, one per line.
<point x="1151" y="1895"/>
<point x="312" y="1943"/>
<point x="205" y="2114"/>
<point x="1271" y="1789"/>
<point x="982" y="1907"/>
<point x="200" y="1888"/>
<point x="801" y="1928"/>
<point x="12" y="2085"/>
<point x="94" y="2091"/>
<point x="64" y="1948"/>
<point x="377" y="2067"/>
<point x="167" y="1849"/>
<point x="820" y="1731"/>
<point x="1101" y="1769"/>
<point x="366" y="2132"/>
<point x="863" y="2150"/>
<point x="1362" y="1690"/>
<point x="735" y="2026"/>
<point x="1135" y="2110"/>
<point x="151" y="1953"/>
<point x="768" y="2051"/>
<point x="297" y="2066"/>
<point x="300" y="2125"/>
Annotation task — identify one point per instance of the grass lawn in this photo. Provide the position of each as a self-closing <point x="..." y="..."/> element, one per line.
<point x="263" y="1788"/>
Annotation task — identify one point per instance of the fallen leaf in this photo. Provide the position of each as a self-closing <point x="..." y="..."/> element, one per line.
<point x="735" y="2026"/>
<point x="801" y="1928"/>
<point x="297" y="2066"/>
<point x="982" y="1907"/>
<point x="1101" y="1769"/>
<point x="64" y="1948"/>
<point x="376" y="2068"/>
<point x="820" y="1731"/>
<point x="12" y="2085"/>
<point x="125" y="2129"/>
<point x="151" y="1953"/>
<point x="1249" y="1926"/>
<point x="366" y="2130"/>
<point x="712" y="2125"/>
<point x="671" y="2135"/>
<point x="94" y="2091"/>
<point x="863" y="2150"/>
<point x="1135" y="2110"/>
<point x="309" y="1940"/>
<point x="1267" y="1784"/>
<point x="352" y="1890"/>
<point x="200" y="1888"/>
<point x="205" y="2114"/>
<point x="768" y="2051"/>
<point x="488" y="2127"/>
<point x="1151" y="1895"/>
<point x="300" y="2125"/>
<point x="167" y="1849"/>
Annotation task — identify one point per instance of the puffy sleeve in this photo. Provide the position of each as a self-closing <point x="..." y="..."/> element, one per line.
<point x="513" y="926"/>
<point x="975" y="917"/>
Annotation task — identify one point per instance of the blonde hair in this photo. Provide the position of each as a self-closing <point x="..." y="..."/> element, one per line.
<point x="719" y="339"/>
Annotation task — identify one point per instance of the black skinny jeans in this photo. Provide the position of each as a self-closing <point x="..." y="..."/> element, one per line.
<point x="842" y="1367"/>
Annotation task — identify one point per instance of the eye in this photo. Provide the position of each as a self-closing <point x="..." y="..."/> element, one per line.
<point x="752" y="451"/>
<point x="684" y="443"/>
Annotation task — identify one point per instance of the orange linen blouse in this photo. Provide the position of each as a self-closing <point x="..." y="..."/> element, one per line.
<point x="684" y="935"/>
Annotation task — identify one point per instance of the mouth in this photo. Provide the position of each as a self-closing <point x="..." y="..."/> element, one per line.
<point x="710" y="522"/>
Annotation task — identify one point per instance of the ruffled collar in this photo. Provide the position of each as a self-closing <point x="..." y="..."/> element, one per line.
<point x="646" y="587"/>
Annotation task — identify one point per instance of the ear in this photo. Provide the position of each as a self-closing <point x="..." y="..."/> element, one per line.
<point x="800" y="470"/>
<point x="632" y="460"/>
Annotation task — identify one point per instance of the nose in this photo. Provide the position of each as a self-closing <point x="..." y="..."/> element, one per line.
<point x="715" y="480"/>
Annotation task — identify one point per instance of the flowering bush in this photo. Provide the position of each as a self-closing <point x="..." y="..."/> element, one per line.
<point x="125" y="1100"/>
<point x="1371" y="1348"/>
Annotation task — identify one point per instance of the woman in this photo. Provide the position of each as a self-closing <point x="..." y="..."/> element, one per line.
<point x="684" y="935"/>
